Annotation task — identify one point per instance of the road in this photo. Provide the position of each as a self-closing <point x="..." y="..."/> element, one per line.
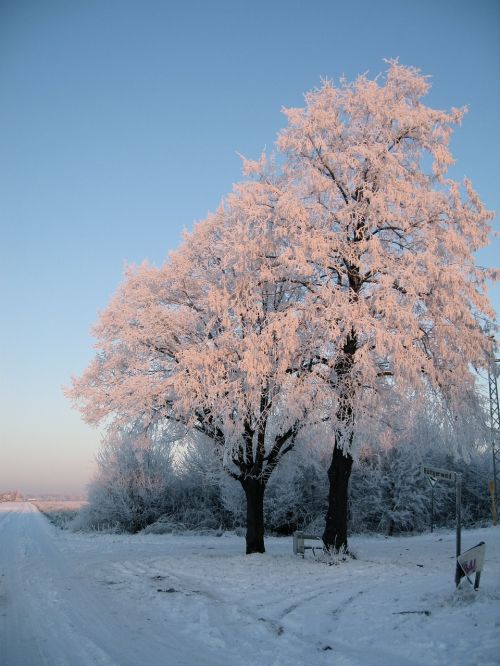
<point x="53" y="613"/>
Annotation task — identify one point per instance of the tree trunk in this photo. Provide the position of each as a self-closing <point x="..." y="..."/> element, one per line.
<point x="335" y="534"/>
<point x="254" y="492"/>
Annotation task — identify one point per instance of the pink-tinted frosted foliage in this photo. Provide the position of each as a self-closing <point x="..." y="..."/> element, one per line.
<point x="312" y="289"/>
<point x="219" y="338"/>
<point x="394" y="241"/>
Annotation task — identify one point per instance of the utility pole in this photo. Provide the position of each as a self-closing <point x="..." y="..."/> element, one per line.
<point x="495" y="429"/>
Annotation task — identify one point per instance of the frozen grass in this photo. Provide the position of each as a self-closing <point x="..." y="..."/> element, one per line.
<point x="60" y="512"/>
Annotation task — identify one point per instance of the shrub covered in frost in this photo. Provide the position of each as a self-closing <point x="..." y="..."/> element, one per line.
<point x="132" y="486"/>
<point x="145" y="481"/>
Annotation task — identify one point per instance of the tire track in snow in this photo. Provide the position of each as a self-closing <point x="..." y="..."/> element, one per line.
<point x="52" y="615"/>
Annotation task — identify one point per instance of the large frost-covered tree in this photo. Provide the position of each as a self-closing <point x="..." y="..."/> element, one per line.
<point x="220" y="340"/>
<point x="314" y="289"/>
<point x="393" y="242"/>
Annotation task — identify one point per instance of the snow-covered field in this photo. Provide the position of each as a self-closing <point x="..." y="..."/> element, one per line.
<point x="73" y="599"/>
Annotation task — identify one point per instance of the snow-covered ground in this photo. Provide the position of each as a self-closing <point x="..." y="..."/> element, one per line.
<point x="73" y="599"/>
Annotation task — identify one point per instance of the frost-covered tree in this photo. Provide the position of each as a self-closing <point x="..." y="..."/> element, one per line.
<point x="393" y="240"/>
<point x="388" y="491"/>
<point x="316" y="290"/>
<point x="220" y="340"/>
<point x="199" y="487"/>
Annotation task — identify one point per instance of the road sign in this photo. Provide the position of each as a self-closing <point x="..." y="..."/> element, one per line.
<point x="437" y="473"/>
<point x="432" y="480"/>
<point x="472" y="561"/>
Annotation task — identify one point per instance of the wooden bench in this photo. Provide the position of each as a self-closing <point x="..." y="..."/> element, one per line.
<point x="299" y="543"/>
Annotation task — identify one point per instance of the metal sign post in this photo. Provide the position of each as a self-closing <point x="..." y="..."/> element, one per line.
<point x="432" y="509"/>
<point x="434" y="474"/>
<point x="458" y="490"/>
<point x="433" y="483"/>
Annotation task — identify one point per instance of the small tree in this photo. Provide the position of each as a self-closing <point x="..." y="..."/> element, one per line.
<point x="133" y="484"/>
<point x="393" y="240"/>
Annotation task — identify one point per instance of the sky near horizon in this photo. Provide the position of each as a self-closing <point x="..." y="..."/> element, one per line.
<point x="121" y="124"/>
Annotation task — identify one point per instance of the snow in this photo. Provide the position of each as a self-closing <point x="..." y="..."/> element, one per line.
<point x="189" y="600"/>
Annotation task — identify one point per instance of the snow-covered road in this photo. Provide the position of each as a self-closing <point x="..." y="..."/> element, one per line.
<point x="152" y="600"/>
<point x="54" y="612"/>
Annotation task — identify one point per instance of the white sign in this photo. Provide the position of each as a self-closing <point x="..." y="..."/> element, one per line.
<point x="437" y="473"/>
<point x="472" y="561"/>
<point x="431" y="480"/>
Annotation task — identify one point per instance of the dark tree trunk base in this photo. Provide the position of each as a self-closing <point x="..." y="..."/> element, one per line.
<point x="254" y="492"/>
<point x="335" y="534"/>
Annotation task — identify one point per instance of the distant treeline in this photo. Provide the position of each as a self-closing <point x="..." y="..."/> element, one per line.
<point x="11" y="496"/>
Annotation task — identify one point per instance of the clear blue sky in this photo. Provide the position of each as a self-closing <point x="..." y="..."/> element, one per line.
<point x="120" y="121"/>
